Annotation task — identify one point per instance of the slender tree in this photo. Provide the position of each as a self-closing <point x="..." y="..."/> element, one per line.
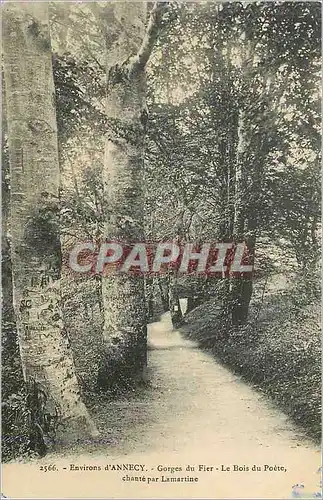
<point x="55" y="401"/>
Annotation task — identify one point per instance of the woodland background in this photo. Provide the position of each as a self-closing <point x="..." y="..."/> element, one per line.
<point x="230" y="143"/>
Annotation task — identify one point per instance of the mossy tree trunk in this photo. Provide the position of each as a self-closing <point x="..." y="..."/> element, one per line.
<point x="125" y="310"/>
<point x="55" y="402"/>
<point x="241" y="287"/>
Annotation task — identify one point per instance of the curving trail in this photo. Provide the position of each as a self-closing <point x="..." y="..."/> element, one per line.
<point x="194" y="412"/>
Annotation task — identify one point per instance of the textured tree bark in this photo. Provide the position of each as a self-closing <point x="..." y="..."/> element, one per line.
<point x="56" y="405"/>
<point x="125" y="311"/>
<point x="241" y="286"/>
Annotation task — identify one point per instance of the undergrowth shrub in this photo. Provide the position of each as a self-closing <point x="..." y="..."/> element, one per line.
<point x="278" y="350"/>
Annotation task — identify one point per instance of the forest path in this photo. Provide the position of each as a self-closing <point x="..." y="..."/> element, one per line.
<point x="194" y="412"/>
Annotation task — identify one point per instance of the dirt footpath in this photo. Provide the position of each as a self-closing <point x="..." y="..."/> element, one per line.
<point x="195" y="416"/>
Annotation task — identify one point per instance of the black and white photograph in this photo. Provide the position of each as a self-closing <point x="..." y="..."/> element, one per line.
<point x="161" y="249"/>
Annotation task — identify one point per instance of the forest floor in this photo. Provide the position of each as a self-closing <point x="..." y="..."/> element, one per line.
<point x="193" y="412"/>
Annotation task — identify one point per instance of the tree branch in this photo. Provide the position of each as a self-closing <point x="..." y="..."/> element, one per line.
<point x="150" y="38"/>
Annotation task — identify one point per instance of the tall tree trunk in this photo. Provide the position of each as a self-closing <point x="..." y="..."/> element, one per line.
<point x="125" y="327"/>
<point x="12" y="380"/>
<point x="241" y="287"/>
<point x="249" y="178"/>
<point x="245" y="223"/>
<point x="226" y="207"/>
<point x="48" y="368"/>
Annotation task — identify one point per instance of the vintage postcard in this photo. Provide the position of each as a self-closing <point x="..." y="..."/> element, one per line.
<point x="161" y="235"/>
